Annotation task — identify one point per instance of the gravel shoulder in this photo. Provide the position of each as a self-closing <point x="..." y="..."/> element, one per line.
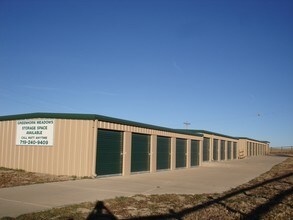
<point x="269" y="196"/>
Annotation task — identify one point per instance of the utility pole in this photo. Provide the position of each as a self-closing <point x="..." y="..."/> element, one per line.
<point x="186" y="124"/>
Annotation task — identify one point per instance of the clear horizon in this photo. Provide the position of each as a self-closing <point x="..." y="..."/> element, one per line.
<point x="223" y="66"/>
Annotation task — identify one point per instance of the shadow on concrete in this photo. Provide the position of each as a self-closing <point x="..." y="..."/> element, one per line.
<point x="256" y="213"/>
<point x="101" y="212"/>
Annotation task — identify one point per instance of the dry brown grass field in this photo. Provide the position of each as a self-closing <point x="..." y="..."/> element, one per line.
<point x="268" y="196"/>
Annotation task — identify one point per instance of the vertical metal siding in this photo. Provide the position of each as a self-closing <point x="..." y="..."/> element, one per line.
<point x="70" y="155"/>
<point x="9" y="153"/>
<point x="120" y="127"/>
<point x="73" y="142"/>
<point x="74" y="150"/>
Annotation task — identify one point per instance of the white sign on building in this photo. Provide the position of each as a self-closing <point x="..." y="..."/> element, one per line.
<point x="35" y="132"/>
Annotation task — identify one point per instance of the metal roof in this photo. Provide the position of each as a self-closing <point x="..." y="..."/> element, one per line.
<point x="193" y="132"/>
<point x="222" y="135"/>
<point x="209" y="132"/>
<point x="93" y="117"/>
<point x="266" y="142"/>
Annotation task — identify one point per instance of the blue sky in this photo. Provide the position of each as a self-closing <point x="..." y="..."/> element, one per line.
<point x="224" y="66"/>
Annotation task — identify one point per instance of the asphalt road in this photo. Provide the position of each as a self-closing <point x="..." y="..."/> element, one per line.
<point x="209" y="178"/>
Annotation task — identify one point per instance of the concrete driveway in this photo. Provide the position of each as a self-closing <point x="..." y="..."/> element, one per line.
<point x="209" y="178"/>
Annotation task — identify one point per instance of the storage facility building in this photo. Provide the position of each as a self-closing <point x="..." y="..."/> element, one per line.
<point x="95" y="145"/>
<point x="217" y="147"/>
<point x="250" y="147"/>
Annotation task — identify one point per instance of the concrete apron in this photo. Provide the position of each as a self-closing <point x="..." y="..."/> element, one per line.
<point x="209" y="178"/>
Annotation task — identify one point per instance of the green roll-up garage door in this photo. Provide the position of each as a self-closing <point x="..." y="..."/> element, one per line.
<point x="109" y="152"/>
<point x="255" y="149"/>
<point x="260" y="147"/>
<point x="223" y="150"/>
<point x="180" y="153"/>
<point x="194" y="153"/>
<point x="140" y="149"/>
<point x="163" y="152"/>
<point x="248" y="149"/>
<point x="206" y="149"/>
<point x="229" y="150"/>
<point x="234" y="150"/>
<point x="215" y="149"/>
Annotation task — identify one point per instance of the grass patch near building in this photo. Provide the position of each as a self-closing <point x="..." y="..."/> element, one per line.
<point x="16" y="177"/>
